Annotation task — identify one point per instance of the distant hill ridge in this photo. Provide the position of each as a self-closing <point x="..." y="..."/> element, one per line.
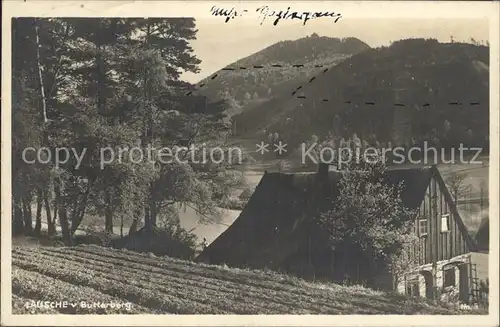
<point x="438" y="91"/>
<point x="246" y="88"/>
<point x="304" y="50"/>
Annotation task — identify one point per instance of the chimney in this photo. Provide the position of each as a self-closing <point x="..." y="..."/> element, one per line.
<point x="322" y="179"/>
<point x="323" y="170"/>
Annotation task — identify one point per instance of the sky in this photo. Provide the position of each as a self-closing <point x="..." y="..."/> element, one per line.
<point x="219" y="44"/>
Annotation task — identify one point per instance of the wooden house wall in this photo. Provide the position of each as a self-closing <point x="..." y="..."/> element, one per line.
<point x="438" y="245"/>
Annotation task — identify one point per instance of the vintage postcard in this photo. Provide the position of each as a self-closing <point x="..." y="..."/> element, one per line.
<point x="250" y="163"/>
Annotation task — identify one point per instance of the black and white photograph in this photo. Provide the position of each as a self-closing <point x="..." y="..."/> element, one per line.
<point x="306" y="159"/>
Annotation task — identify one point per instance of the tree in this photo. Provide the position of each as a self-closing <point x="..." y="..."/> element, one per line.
<point x="148" y="73"/>
<point x="356" y="141"/>
<point x="456" y="184"/>
<point x="200" y="186"/>
<point x="483" y="193"/>
<point x="89" y="84"/>
<point x="406" y="259"/>
<point x="270" y="137"/>
<point x="232" y="105"/>
<point x="247" y="96"/>
<point x="35" y="77"/>
<point x="368" y="218"/>
<point x="94" y="112"/>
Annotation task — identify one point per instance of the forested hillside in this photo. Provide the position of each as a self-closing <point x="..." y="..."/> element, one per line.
<point x="413" y="91"/>
<point x="277" y="68"/>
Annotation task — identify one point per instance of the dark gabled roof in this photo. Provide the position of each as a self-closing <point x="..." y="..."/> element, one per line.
<point x="270" y="226"/>
<point x="279" y="203"/>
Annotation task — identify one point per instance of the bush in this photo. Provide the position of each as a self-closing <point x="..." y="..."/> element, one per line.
<point x="172" y="242"/>
<point x="95" y="235"/>
<point x="101" y="238"/>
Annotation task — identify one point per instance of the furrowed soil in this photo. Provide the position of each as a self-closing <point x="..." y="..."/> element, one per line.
<point x="162" y="285"/>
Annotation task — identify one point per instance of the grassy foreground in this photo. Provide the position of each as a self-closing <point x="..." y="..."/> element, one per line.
<point x="154" y="285"/>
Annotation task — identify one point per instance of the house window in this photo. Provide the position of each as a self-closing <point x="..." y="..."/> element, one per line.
<point x="449" y="277"/>
<point x="422" y="227"/>
<point x="445" y="220"/>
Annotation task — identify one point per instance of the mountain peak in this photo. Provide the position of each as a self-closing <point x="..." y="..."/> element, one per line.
<point x="278" y="68"/>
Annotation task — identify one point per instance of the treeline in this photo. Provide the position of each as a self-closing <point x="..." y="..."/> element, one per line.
<point x="86" y="84"/>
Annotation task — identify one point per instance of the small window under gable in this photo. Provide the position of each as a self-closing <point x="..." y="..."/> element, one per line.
<point x="445" y="223"/>
<point x="422" y="226"/>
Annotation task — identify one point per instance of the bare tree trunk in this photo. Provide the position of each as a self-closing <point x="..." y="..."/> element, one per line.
<point x="82" y="212"/>
<point x="40" y="76"/>
<point x="28" y="201"/>
<point x="109" y="220"/>
<point x="79" y="213"/>
<point x="66" y="233"/>
<point x="108" y="213"/>
<point x="28" y="226"/>
<point x="135" y="222"/>
<point x="52" y="88"/>
<point x="18" y="219"/>
<point x="101" y="101"/>
<point x="50" y="222"/>
<point x="150" y="211"/>
<point x="39" y="204"/>
<point x="63" y="216"/>
<point x="133" y="228"/>
<point x="147" y="219"/>
<point x="154" y="213"/>
<point x="56" y="203"/>
<point x="74" y="214"/>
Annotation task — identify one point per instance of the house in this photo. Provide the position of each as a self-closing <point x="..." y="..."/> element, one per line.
<point x="276" y="230"/>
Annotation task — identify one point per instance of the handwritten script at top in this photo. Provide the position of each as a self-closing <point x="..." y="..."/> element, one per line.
<point x="264" y="12"/>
